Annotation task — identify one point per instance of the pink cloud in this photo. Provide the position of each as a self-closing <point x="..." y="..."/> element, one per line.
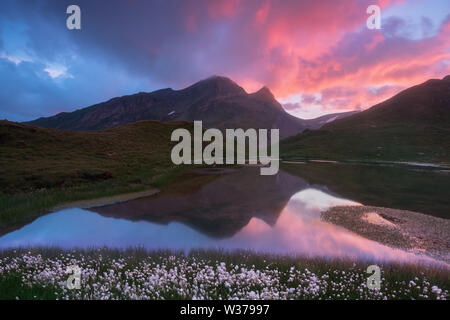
<point x="316" y="47"/>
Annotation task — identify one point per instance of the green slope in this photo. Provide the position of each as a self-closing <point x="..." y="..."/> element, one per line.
<point x="414" y="125"/>
<point x="41" y="168"/>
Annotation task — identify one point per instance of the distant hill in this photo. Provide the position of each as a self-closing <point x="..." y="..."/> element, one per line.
<point x="413" y="125"/>
<point x="217" y="101"/>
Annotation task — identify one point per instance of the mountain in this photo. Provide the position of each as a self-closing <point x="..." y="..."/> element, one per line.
<point x="413" y="125"/>
<point x="217" y="101"/>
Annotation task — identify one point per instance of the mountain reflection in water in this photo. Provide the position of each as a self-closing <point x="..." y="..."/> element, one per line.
<point x="239" y="210"/>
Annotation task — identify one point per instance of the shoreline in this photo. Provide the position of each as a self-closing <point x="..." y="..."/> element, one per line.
<point x="22" y="208"/>
<point x="407" y="230"/>
<point x="103" y="201"/>
<point x="81" y="204"/>
<point x="429" y="165"/>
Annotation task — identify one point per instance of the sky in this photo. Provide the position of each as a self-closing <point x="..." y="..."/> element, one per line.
<point x="317" y="57"/>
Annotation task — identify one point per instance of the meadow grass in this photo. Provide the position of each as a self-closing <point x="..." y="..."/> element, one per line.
<point x="43" y="168"/>
<point x="390" y="143"/>
<point x="39" y="273"/>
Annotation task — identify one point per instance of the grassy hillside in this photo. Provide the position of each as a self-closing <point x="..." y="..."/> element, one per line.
<point x="403" y="143"/>
<point x="414" y="125"/>
<point x="41" y="168"/>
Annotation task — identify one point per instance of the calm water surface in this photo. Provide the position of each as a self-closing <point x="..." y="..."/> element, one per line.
<point x="237" y="209"/>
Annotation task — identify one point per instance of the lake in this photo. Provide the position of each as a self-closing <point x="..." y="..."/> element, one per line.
<point x="240" y="209"/>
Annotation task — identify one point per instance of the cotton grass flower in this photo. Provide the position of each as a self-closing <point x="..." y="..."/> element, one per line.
<point x="189" y="277"/>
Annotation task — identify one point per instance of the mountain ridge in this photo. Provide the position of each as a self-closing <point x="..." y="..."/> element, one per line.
<point x="218" y="101"/>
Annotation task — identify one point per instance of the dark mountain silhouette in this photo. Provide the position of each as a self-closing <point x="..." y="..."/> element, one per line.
<point x="217" y="101"/>
<point x="413" y="125"/>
